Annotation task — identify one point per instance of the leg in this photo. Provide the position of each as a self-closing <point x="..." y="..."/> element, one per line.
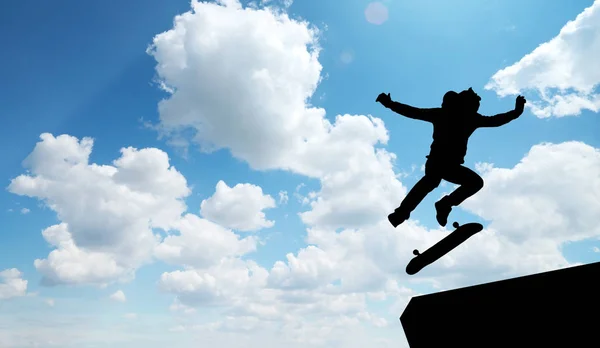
<point x="469" y="181"/>
<point x="421" y="189"/>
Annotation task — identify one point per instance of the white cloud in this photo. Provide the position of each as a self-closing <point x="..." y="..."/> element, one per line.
<point x="284" y="3"/>
<point x="262" y="103"/>
<point x="279" y="72"/>
<point x="217" y="284"/>
<point x="12" y="284"/>
<point x="177" y="306"/>
<point x="563" y="71"/>
<point x="283" y="197"/>
<point x="70" y="264"/>
<point x="367" y="260"/>
<point x="532" y="212"/>
<point x="304" y="200"/>
<point x="118" y="296"/>
<point x="50" y="302"/>
<point x="526" y="203"/>
<point x="25" y="211"/>
<point x="361" y="191"/>
<point x="241" y="288"/>
<point x="107" y="212"/>
<point x="239" y="207"/>
<point x="201" y="243"/>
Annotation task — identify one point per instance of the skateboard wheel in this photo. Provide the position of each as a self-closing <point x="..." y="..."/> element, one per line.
<point x="455" y="224"/>
<point x="416" y="252"/>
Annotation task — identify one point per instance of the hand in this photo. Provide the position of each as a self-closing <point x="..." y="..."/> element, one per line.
<point x="384" y="99"/>
<point x="520" y="103"/>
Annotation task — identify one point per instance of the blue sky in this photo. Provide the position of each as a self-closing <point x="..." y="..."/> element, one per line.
<point x="82" y="69"/>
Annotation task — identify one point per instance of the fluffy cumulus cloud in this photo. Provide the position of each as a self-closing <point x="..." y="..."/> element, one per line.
<point x="532" y="213"/>
<point x="202" y="243"/>
<point x="253" y="103"/>
<point x="107" y="211"/>
<point x="239" y="207"/>
<point x="242" y="289"/>
<point x="12" y="284"/>
<point x="256" y="105"/>
<point x="531" y="204"/>
<point x="118" y="296"/>
<point x="563" y="71"/>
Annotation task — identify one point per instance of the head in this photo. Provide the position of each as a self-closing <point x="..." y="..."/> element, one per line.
<point x="450" y="100"/>
<point x="469" y="100"/>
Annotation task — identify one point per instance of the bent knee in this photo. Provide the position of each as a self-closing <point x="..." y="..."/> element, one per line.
<point x="477" y="182"/>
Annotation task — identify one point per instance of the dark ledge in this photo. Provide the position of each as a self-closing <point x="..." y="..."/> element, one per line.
<point x="552" y="309"/>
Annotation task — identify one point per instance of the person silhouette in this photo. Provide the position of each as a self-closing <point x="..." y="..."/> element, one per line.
<point x="453" y="124"/>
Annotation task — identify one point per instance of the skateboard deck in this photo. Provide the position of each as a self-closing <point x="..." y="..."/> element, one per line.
<point x="441" y="248"/>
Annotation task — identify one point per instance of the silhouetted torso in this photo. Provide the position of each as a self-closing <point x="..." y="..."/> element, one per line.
<point x="451" y="136"/>
<point x="451" y="128"/>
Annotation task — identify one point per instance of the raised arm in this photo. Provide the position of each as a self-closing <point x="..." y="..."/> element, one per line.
<point x="407" y="110"/>
<point x="497" y="120"/>
<point x="503" y="118"/>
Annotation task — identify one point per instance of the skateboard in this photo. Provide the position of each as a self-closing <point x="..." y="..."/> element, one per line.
<point x="441" y="248"/>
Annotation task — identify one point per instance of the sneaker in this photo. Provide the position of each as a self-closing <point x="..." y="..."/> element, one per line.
<point x="443" y="210"/>
<point x="396" y="218"/>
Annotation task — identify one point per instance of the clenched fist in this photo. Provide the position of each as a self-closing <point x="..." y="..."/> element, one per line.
<point x="520" y="103"/>
<point x="384" y="99"/>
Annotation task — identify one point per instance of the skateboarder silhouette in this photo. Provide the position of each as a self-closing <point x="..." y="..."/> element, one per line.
<point x="453" y="124"/>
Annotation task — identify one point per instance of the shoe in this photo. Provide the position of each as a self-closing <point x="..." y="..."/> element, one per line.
<point x="443" y="209"/>
<point x="397" y="218"/>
